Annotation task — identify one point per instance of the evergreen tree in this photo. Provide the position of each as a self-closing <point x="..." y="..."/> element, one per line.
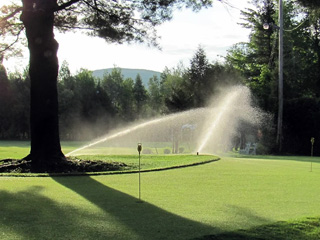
<point x="140" y="95"/>
<point x="5" y="101"/>
<point x="127" y="101"/>
<point x="198" y="83"/>
<point x="112" y="83"/>
<point x="156" y="101"/>
<point x="175" y="89"/>
<point x="256" y="60"/>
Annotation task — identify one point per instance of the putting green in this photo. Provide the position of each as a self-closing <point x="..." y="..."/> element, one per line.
<point x="233" y="193"/>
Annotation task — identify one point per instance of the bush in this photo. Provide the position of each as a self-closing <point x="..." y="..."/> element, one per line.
<point x="147" y="151"/>
<point x="181" y="150"/>
<point x="262" y="149"/>
<point x="166" y="151"/>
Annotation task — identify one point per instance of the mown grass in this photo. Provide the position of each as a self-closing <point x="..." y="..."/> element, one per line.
<point x="19" y="149"/>
<point x="152" y="162"/>
<point x="302" y="229"/>
<point x="234" y="198"/>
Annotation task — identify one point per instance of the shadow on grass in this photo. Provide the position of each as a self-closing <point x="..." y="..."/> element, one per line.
<point x="112" y="215"/>
<point x="144" y="220"/>
<point x="31" y="215"/>
<point x="282" y="158"/>
<point x="306" y="229"/>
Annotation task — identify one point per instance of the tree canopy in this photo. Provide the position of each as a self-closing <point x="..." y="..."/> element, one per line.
<point x="115" y="21"/>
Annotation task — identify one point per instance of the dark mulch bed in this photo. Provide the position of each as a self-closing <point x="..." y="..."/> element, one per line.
<point x="66" y="166"/>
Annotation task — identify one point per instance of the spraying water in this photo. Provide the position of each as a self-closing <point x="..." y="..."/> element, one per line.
<point x="227" y="112"/>
<point x="172" y="120"/>
<point x="208" y="129"/>
<point x="223" y="110"/>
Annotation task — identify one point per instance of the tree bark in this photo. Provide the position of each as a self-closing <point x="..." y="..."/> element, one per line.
<point x="38" y="19"/>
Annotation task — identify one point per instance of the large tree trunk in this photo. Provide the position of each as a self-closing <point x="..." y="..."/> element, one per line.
<point x="38" y="19"/>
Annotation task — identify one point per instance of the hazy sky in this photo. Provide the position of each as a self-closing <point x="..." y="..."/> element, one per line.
<point x="215" y="29"/>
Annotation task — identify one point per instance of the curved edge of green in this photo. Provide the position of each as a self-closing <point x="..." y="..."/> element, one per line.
<point x="107" y="172"/>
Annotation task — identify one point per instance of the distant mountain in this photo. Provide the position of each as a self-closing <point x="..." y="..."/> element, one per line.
<point x="130" y="73"/>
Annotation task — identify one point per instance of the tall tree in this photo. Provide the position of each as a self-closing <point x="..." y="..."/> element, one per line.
<point x="114" y="21"/>
<point x="198" y="81"/>
<point x="112" y="83"/>
<point x="175" y="90"/>
<point x="256" y="59"/>
<point x="4" y="100"/>
<point x="312" y="4"/>
<point x="140" y="95"/>
<point x="127" y="100"/>
<point x="155" y="100"/>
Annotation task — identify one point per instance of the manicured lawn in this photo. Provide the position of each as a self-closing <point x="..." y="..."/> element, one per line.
<point x="152" y="162"/>
<point x="20" y="149"/>
<point x="219" y="198"/>
<point x="14" y="149"/>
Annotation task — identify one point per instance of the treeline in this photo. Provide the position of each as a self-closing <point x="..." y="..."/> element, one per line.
<point x="89" y="107"/>
<point x="102" y="104"/>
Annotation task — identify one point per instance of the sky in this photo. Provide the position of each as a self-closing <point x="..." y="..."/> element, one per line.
<point x="215" y="29"/>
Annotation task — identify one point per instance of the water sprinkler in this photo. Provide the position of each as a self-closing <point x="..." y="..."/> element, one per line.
<point x="139" y="148"/>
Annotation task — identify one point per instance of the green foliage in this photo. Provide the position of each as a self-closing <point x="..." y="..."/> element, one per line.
<point x="114" y="21"/>
<point x="193" y="87"/>
<point x="197" y="78"/>
<point x="82" y="102"/>
<point x="257" y="62"/>
<point x="312" y="4"/>
<point x="166" y="151"/>
<point x="146" y="151"/>
<point x="302" y="117"/>
<point x="140" y="95"/>
<point x="14" y="105"/>
<point x="155" y="100"/>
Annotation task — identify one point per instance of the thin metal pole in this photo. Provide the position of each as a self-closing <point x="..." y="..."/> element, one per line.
<point x="311" y="162"/>
<point x="139" y="179"/>
<point x="139" y="150"/>
<point x="312" y="142"/>
<point x="280" y="90"/>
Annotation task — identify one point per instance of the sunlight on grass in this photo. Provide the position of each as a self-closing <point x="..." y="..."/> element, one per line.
<point x="216" y="198"/>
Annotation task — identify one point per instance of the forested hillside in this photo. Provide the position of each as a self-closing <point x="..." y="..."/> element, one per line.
<point x="129" y="73"/>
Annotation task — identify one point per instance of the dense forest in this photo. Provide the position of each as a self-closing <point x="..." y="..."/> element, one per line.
<point x="90" y="107"/>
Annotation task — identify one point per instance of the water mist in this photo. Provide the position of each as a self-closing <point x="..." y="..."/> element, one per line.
<point x="204" y="130"/>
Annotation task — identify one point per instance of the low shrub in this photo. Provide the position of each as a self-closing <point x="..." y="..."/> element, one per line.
<point x="166" y="151"/>
<point x="147" y="151"/>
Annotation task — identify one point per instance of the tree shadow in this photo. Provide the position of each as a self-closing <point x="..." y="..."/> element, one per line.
<point x="29" y="214"/>
<point x="112" y="214"/>
<point x="143" y="219"/>
<point x="307" y="229"/>
<point x="306" y="159"/>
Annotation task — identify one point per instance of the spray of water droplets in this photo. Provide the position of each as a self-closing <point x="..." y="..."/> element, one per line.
<point x="204" y="130"/>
